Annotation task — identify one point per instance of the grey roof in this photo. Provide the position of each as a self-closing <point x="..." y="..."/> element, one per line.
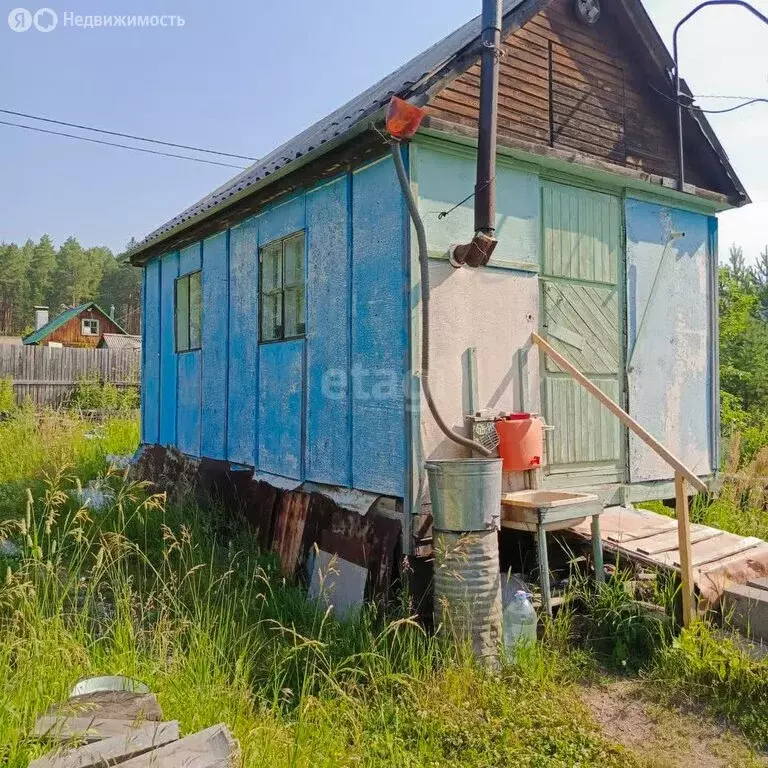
<point x="416" y="81"/>
<point x="120" y="341"/>
<point x="410" y="80"/>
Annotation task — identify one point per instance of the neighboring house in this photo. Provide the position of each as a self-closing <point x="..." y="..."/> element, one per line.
<point x="281" y="327"/>
<point x="81" y="326"/>
<point x="13" y="341"/>
<point x="120" y="341"/>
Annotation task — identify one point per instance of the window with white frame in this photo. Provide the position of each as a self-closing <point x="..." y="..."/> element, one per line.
<point x="89" y="326"/>
<point x="283" y="266"/>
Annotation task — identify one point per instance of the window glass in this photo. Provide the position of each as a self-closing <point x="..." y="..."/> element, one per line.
<point x="271" y="316"/>
<point x="282" y="289"/>
<point x="294" y="260"/>
<point x="188" y="312"/>
<point x="182" y="314"/>
<point x="195" y="310"/>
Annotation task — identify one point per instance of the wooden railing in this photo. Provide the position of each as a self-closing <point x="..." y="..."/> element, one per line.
<point x="682" y="473"/>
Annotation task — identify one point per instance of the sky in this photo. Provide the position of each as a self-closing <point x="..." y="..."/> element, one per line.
<point x="243" y="77"/>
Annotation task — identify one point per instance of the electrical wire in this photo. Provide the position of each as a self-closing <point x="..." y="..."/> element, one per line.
<point x="122" y="146"/>
<point x="695" y="108"/>
<point x="124" y="135"/>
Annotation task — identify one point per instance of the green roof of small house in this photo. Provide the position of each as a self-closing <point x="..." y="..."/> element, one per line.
<point x="37" y="336"/>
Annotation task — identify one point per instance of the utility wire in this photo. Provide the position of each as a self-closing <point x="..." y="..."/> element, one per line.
<point x="124" y="135"/>
<point x="695" y="108"/>
<point x="122" y="146"/>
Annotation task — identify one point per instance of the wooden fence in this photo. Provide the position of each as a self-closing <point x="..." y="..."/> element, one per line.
<point x="48" y="375"/>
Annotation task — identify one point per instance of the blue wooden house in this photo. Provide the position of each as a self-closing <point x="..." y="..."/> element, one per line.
<point x="281" y="330"/>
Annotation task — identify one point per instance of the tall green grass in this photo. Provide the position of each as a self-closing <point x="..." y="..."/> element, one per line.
<point x="182" y="600"/>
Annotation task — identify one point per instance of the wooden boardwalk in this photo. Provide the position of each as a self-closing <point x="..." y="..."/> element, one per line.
<point x="719" y="558"/>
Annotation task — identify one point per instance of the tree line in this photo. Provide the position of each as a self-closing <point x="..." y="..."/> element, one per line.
<point x="744" y="348"/>
<point x="38" y="273"/>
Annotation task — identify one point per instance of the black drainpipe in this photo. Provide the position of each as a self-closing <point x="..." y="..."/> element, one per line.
<point x="478" y="252"/>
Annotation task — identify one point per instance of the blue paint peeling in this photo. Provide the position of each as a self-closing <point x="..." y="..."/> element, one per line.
<point x="215" y="345"/>
<point x="151" y="389"/>
<point x="329" y="408"/>
<point x="379" y="301"/>
<point x="281" y="383"/>
<point x="328" y="455"/>
<point x="169" y="271"/>
<point x="243" y="346"/>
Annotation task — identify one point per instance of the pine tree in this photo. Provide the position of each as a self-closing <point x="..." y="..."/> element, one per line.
<point x="41" y="270"/>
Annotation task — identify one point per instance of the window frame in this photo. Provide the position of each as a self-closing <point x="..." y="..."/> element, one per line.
<point x="186" y="279"/>
<point x="283" y="287"/>
<point x="84" y="320"/>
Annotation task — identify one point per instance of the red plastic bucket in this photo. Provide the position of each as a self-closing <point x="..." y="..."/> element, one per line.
<point x="521" y="442"/>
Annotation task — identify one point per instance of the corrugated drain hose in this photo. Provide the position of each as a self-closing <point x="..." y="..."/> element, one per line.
<point x="424" y="267"/>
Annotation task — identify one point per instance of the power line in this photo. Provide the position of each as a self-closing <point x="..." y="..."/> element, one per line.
<point x="125" y="135"/>
<point x="122" y="146"/>
<point x="695" y="108"/>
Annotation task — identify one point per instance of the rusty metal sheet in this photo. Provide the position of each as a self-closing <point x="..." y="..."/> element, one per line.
<point x="289" y="529"/>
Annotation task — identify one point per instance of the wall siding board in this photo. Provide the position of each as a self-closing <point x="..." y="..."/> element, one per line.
<point x="281" y="400"/>
<point x="243" y="343"/>
<point x="328" y="458"/>
<point x="379" y="290"/>
<point x="215" y="335"/>
<point x="169" y="271"/>
<point x="669" y="376"/>
<point x="143" y="352"/>
<point x="188" y="403"/>
<point x="444" y="175"/>
<point x="190" y="259"/>
<point x="281" y="220"/>
<point x="150" y="392"/>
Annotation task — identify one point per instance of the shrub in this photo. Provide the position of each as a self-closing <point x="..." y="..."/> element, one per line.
<point x="7" y="396"/>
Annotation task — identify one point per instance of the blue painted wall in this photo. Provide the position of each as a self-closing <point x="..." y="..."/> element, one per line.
<point x="169" y="271"/>
<point x="151" y="350"/>
<point x="215" y="352"/>
<point x="329" y="413"/>
<point x="243" y="354"/>
<point x="379" y="291"/>
<point x="328" y="408"/>
<point x="670" y="374"/>
<point x="188" y="414"/>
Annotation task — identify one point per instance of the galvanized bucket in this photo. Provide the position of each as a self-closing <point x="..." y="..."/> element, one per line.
<point x="467" y="586"/>
<point x="465" y="493"/>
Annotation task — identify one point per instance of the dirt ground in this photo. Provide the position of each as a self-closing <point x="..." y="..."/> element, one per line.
<point x="661" y="737"/>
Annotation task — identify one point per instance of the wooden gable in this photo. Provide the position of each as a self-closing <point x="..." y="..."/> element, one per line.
<point x="585" y="89"/>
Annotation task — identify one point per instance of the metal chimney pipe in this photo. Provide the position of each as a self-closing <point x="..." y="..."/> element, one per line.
<point x="477" y="253"/>
<point x="485" y="186"/>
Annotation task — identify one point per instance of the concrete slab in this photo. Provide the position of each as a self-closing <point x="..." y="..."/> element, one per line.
<point x="760" y="583"/>
<point x="747" y="608"/>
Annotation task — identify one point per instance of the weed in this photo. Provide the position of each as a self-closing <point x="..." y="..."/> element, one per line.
<point x="709" y="668"/>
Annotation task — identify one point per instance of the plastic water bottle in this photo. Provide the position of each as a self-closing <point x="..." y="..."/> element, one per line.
<point x="519" y="621"/>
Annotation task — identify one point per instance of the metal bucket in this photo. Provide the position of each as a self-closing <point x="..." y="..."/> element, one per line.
<point x="465" y="493"/>
<point x="467" y="586"/>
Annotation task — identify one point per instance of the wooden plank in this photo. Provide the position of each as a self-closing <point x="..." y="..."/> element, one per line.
<point x="89" y="728"/>
<point x="684" y="550"/>
<point x="110" y="705"/>
<point x="114" y="750"/>
<point x="712" y="555"/>
<point x="668" y="542"/>
<point x="621" y="414"/>
<point x="212" y="748"/>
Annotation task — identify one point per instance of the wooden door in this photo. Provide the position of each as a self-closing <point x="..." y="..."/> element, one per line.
<point x="581" y="318"/>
